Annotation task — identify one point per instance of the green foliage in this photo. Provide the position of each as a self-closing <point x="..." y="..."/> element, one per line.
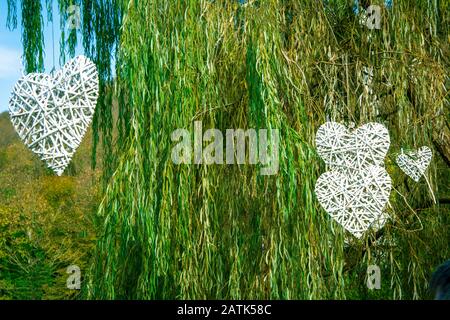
<point x="7" y="134"/>
<point x="223" y="231"/>
<point x="58" y="191"/>
<point x="46" y="222"/>
<point x="32" y="25"/>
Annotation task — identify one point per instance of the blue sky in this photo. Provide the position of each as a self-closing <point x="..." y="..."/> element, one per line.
<point x="11" y="50"/>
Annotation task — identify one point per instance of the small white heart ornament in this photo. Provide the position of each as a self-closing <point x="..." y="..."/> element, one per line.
<point x="51" y="114"/>
<point x="415" y="163"/>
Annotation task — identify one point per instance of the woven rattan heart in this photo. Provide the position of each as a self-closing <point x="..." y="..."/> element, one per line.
<point x="356" y="200"/>
<point x="52" y="113"/>
<point x="415" y="163"/>
<point x="345" y="150"/>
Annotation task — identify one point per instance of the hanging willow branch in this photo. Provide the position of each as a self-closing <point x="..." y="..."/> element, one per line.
<point x="11" y="20"/>
<point x="32" y="37"/>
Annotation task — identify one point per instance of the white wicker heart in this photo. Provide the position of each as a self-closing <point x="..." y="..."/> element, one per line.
<point x="52" y="113"/>
<point x="357" y="200"/>
<point x="415" y="163"/>
<point x="356" y="189"/>
<point x="342" y="149"/>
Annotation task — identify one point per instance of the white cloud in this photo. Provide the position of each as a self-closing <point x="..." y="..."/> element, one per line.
<point x="10" y="63"/>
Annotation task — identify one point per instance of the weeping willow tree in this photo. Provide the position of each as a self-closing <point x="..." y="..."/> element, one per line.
<point x="225" y="231"/>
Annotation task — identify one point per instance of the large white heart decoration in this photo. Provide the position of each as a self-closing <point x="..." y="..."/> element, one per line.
<point x="342" y="149"/>
<point x="52" y="113"/>
<point x="357" y="200"/>
<point x="415" y="163"/>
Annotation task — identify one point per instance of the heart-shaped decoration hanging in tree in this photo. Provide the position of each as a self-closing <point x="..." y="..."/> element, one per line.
<point x="415" y="163"/>
<point x="52" y="113"/>
<point x="356" y="201"/>
<point x="356" y="189"/>
<point x="342" y="149"/>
